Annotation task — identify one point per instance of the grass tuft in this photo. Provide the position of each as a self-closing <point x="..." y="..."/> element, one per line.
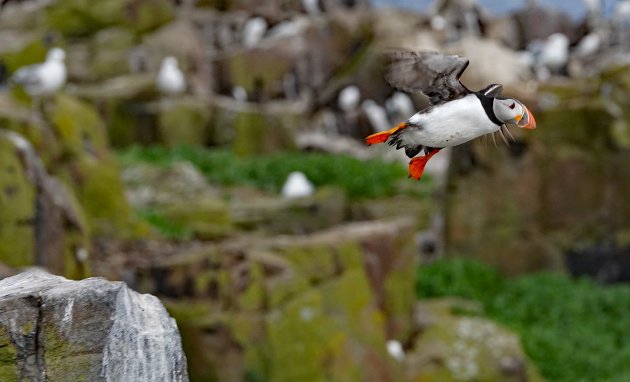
<point x="574" y="330"/>
<point x="359" y="179"/>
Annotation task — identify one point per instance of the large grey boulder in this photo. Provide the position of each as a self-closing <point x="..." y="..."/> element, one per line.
<point x="54" y="329"/>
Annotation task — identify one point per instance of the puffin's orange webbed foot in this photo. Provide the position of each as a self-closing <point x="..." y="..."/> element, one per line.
<point x="417" y="164"/>
<point x="383" y="136"/>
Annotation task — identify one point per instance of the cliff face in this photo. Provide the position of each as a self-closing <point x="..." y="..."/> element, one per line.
<point x="556" y="191"/>
<point x="54" y="329"/>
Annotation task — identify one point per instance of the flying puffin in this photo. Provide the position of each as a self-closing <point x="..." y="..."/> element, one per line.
<point x="456" y="114"/>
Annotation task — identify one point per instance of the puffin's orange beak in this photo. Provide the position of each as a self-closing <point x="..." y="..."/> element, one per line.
<point x="526" y="121"/>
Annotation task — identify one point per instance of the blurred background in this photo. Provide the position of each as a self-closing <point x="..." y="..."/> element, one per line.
<point x="210" y="152"/>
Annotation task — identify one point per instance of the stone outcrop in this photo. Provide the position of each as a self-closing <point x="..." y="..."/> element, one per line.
<point x="292" y="307"/>
<point x="454" y="347"/>
<point x="42" y="223"/>
<point x="563" y="186"/>
<point x="53" y="329"/>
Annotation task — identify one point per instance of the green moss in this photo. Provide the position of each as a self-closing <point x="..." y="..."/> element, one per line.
<point x="78" y="126"/>
<point x="32" y="53"/>
<point x="257" y="133"/>
<point x="80" y="18"/>
<point x="265" y="76"/>
<point x="101" y="195"/>
<point x="77" y="18"/>
<point x="109" y="53"/>
<point x="183" y="123"/>
<point x="207" y="218"/>
<point x="316" y="261"/>
<point x="283" y="288"/>
<point x="8" y="358"/>
<point x="350" y="255"/>
<point x="572" y="329"/>
<point x="90" y="169"/>
<point x="148" y="15"/>
<point x="63" y="360"/>
<point x="299" y="336"/>
<point x="585" y="128"/>
<point x="253" y="297"/>
<point x="17" y="203"/>
<point x="358" y="179"/>
<point x="167" y="227"/>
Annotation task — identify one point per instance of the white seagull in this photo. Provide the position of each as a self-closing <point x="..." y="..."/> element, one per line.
<point x="170" y="79"/>
<point x="297" y="185"/>
<point x="43" y="79"/>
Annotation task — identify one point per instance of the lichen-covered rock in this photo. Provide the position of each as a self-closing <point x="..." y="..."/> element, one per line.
<point x="88" y="166"/>
<point x="79" y="18"/>
<point x="17" y="203"/>
<point x="328" y="299"/>
<point x="183" y="122"/>
<point x="208" y="217"/>
<point x="258" y="132"/>
<point x="148" y="186"/>
<point x="556" y="186"/>
<point x="108" y="53"/>
<point x="27" y="49"/>
<point x="464" y="348"/>
<point x="41" y="222"/>
<point x="324" y="209"/>
<point x="53" y="329"/>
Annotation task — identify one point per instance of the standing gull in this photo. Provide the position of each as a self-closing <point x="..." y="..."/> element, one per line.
<point x="170" y="80"/>
<point x="43" y="79"/>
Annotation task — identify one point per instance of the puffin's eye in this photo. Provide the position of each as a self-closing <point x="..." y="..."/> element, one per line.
<point x="512" y="105"/>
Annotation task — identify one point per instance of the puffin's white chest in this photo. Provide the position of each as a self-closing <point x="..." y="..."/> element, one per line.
<point x="449" y="124"/>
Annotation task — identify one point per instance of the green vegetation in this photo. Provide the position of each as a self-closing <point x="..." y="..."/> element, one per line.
<point x="167" y="227"/>
<point x="359" y="179"/>
<point x="575" y="330"/>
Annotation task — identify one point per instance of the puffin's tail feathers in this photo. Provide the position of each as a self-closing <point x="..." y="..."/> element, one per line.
<point x="383" y="136"/>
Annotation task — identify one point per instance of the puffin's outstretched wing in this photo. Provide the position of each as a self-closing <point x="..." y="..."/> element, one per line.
<point x="434" y="74"/>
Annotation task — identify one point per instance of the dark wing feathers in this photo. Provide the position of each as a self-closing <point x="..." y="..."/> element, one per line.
<point x="434" y="74"/>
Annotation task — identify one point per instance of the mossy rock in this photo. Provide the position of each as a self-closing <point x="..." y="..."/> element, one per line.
<point x="265" y="79"/>
<point x="586" y="128"/>
<point x="257" y="132"/>
<point x="208" y="217"/>
<point x="80" y="18"/>
<point x="33" y="52"/>
<point x="109" y="50"/>
<point x="326" y="208"/>
<point x="183" y="122"/>
<point x="90" y="168"/>
<point x="17" y="203"/>
<point x="461" y="348"/>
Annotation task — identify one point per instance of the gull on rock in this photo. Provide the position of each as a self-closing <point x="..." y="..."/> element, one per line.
<point x="43" y="79"/>
<point x="254" y="31"/>
<point x="170" y="79"/>
<point x="297" y="185"/>
<point x="349" y="98"/>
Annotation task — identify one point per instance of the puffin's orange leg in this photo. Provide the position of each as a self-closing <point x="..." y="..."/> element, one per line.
<point x="416" y="166"/>
<point x="383" y="135"/>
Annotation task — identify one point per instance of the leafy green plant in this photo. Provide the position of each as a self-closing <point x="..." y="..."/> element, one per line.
<point x="359" y="179"/>
<point x="165" y="226"/>
<point x="574" y="330"/>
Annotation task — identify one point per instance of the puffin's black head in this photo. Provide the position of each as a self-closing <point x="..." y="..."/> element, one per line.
<point x="511" y="111"/>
